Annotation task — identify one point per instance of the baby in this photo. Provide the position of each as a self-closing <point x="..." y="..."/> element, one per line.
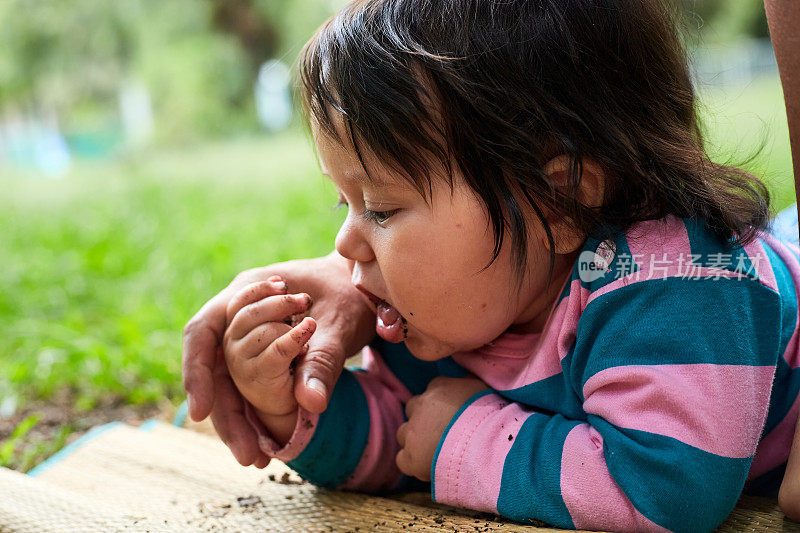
<point x="602" y="331"/>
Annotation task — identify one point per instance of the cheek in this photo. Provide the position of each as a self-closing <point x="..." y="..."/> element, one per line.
<point x="433" y="268"/>
<point x="438" y="288"/>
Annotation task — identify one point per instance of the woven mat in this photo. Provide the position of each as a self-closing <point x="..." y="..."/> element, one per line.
<point x="163" y="478"/>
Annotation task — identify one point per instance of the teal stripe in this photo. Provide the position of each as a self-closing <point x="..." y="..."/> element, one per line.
<point x="677" y="486"/>
<point x="741" y="262"/>
<point x="461" y="409"/>
<point x="340" y="438"/>
<point x="414" y="373"/>
<point x="702" y="242"/>
<point x="786" y="385"/>
<point x="712" y="251"/>
<point x="788" y="294"/>
<point x="785" y="389"/>
<point x="679" y="321"/>
<point x="449" y="368"/>
<point x="552" y="394"/>
<point x="531" y="481"/>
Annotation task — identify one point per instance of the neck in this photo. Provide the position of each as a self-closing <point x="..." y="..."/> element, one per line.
<point x="534" y="317"/>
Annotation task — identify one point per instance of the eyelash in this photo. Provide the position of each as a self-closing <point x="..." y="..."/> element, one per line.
<point x="379" y="217"/>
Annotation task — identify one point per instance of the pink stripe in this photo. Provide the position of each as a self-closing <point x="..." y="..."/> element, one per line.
<point x="592" y="497"/>
<point x="567" y="329"/>
<point x="469" y="467"/>
<point x="661" y="249"/>
<point x="698" y="404"/>
<point x="377" y="468"/>
<point x="303" y="431"/>
<point x="664" y="239"/>
<point x="673" y="271"/>
<point x="792" y="352"/>
<point x="774" y="448"/>
<point x="771" y="240"/>
<point x="760" y="261"/>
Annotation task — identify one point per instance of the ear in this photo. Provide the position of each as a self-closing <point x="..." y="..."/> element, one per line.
<point x="592" y="186"/>
<point x="590" y="193"/>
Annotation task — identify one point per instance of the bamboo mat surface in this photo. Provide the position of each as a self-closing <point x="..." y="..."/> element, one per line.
<point x="163" y="478"/>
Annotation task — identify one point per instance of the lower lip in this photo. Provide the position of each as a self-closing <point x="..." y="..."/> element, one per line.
<point x="397" y="330"/>
<point x="389" y="324"/>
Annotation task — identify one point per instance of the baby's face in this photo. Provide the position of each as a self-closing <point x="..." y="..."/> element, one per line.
<point x="426" y="260"/>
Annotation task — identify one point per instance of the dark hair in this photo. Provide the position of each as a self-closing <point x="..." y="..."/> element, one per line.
<point x="514" y="83"/>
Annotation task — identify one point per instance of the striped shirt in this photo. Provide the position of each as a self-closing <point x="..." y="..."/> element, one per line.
<point x="664" y="383"/>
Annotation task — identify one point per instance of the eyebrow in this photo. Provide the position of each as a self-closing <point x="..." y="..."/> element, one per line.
<point x="363" y="180"/>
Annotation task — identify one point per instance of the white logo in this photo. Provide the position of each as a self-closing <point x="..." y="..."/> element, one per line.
<point x="594" y="265"/>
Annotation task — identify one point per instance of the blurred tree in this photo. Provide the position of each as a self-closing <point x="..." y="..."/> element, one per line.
<point x="269" y="29"/>
<point x="724" y="20"/>
<point x="198" y="58"/>
<point x="254" y="29"/>
<point x="199" y="78"/>
<point x="55" y="53"/>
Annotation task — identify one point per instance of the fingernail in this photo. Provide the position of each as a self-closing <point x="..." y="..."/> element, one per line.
<point x="189" y="403"/>
<point x="279" y="285"/>
<point x="317" y="385"/>
<point x="274" y="278"/>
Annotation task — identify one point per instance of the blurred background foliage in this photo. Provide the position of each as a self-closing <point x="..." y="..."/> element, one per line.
<point x="109" y="248"/>
<point x="198" y="58"/>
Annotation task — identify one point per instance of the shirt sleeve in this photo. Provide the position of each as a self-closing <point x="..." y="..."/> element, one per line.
<point x="674" y="376"/>
<point x="352" y="444"/>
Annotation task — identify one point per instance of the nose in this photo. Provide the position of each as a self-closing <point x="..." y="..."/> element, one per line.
<point x="350" y="241"/>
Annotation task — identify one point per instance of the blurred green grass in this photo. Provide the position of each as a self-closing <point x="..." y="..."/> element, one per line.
<point x="102" y="269"/>
<point x="746" y="126"/>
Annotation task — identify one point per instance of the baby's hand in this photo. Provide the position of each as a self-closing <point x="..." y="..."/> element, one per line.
<point x="260" y="347"/>
<point x="428" y="415"/>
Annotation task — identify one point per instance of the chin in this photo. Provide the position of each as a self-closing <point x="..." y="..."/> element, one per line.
<point x="425" y="352"/>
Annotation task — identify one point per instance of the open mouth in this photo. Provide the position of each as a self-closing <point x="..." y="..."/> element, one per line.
<point x="374" y="300"/>
<point x="389" y="323"/>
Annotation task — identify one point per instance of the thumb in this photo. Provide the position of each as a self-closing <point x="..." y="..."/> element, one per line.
<point x="317" y="371"/>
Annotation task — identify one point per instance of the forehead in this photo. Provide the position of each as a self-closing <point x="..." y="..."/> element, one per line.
<point x="339" y="161"/>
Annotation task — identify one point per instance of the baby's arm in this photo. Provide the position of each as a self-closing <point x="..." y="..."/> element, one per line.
<point x="352" y="444"/>
<point x="368" y="408"/>
<point x="260" y="348"/>
<point x="674" y="407"/>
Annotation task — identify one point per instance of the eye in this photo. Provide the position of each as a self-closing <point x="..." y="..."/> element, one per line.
<point x="378" y="216"/>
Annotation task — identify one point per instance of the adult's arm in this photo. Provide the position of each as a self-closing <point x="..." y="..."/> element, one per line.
<point x="345" y="325"/>
<point x="783" y="17"/>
